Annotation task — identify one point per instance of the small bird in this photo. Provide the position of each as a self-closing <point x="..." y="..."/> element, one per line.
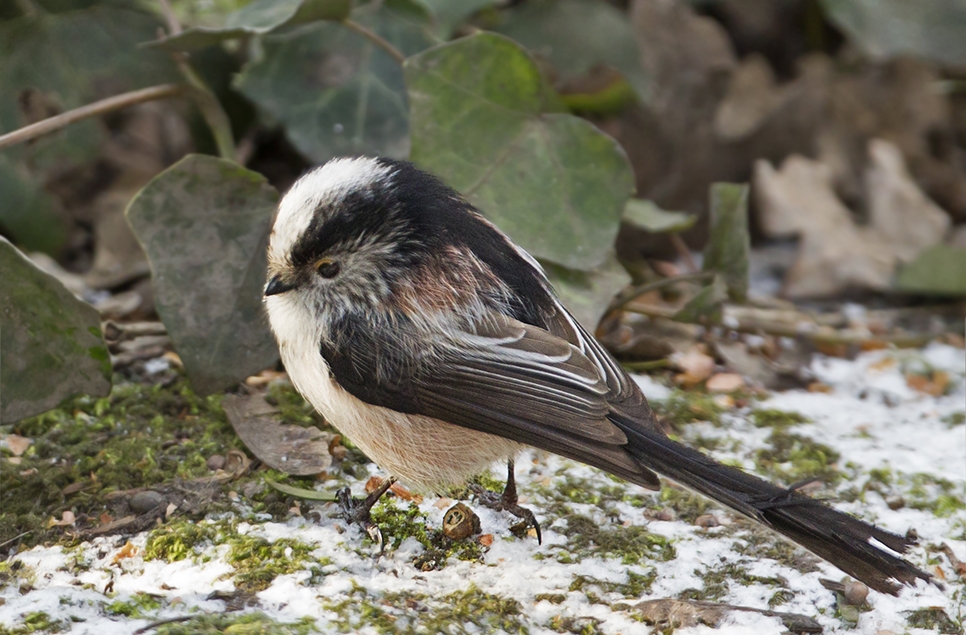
<point x="437" y="345"/>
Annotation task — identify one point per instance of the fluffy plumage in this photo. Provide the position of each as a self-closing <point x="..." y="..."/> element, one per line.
<point x="439" y="346"/>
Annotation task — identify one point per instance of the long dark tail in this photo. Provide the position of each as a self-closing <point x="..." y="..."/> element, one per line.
<point x="837" y="537"/>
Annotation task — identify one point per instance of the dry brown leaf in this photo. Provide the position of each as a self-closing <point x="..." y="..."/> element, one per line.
<point x="696" y="366"/>
<point x="127" y="551"/>
<point x="836" y="254"/>
<point x="935" y="384"/>
<point x="287" y="448"/>
<point x="17" y="444"/>
<point x="485" y="540"/>
<point x="725" y="382"/>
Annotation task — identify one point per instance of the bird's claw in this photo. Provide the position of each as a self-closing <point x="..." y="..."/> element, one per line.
<point x="358" y="510"/>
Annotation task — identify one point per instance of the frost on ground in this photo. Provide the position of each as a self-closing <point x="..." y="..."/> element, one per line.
<point x="887" y="452"/>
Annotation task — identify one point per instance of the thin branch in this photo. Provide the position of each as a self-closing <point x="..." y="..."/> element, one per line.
<point x="170" y="620"/>
<point x="634" y="293"/>
<point x="174" y="26"/>
<point x="376" y="39"/>
<point x="90" y="110"/>
<point x="682" y="248"/>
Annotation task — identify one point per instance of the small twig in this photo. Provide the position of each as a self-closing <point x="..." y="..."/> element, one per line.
<point x="635" y="292"/>
<point x="809" y="330"/>
<point x="174" y="26"/>
<point x="90" y="110"/>
<point x="14" y="539"/>
<point x="170" y="620"/>
<point x="681" y="247"/>
<point x="376" y="39"/>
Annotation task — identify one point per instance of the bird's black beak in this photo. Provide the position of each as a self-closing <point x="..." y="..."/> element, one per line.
<point x="276" y="286"/>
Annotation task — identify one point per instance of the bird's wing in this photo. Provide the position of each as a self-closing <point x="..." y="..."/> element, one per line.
<point x="502" y="377"/>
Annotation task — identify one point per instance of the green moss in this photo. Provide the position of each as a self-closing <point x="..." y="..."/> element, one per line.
<point x="636" y="585"/>
<point x="577" y="625"/>
<point x="238" y="624"/>
<point x="927" y="492"/>
<point x="782" y="596"/>
<point x="36" y="622"/>
<point x="399" y="522"/>
<point x="688" y="406"/>
<point x="177" y="540"/>
<point x="635" y="544"/>
<point x="793" y="457"/>
<point x="139" y="436"/>
<point x="778" y="419"/>
<point x="411" y="614"/>
<point x="758" y="542"/>
<point x="717" y="582"/>
<point x="258" y="562"/>
<point x="933" y="619"/>
<point x="686" y="505"/>
<point x="954" y="419"/>
<point x="140" y="605"/>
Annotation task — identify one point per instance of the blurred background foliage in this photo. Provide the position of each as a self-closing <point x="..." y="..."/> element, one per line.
<point x="591" y="131"/>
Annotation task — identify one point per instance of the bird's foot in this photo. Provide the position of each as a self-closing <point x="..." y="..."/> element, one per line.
<point x="358" y="510"/>
<point x="508" y="502"/>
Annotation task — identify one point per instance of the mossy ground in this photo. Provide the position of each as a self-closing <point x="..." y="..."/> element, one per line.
<point x="156" y="437"/>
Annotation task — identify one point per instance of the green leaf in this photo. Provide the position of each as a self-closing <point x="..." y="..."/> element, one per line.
<point x="484" y="120"/>
<point x="934" y="29"/>
<point x="258" y="18"/>
<point x="646" y="215"/>
<point x="56" y="62"/>
<point x="51" y="346"/>
<point x="301" y="492"/>
<point x="588" y="294"/>
<point x="450" y="15"/>
<point x="204" y="224"/>
<point x="576" y="35"/>
<point x="729" y="244"/>
<point x="706" y="305"/>
<point x="335" y="92"/>
<point x="28" y="214"/>
<point x="940" y="270"/>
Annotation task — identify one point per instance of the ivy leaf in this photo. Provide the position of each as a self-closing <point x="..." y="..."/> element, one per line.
<point x="258" y="18"/>
<point x="588" y="294"/>
<point x="646" y="215"/>
<point x="940" y="270"/>
<point x="484" y="120"/>
<point x="51" y="347"/>
<point x="450" y="15"/>
<point x="934" y="29"/>
<point x="729" y="245"/>
<point x="204" y="224"/>
<point x="335" y="92"/>
<point x="706" y="305"/>
<point x="577" y="35"/>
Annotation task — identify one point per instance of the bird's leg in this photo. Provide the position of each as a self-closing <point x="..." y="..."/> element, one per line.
<point x="357" y="510"/>
<point x="508" y="502"/>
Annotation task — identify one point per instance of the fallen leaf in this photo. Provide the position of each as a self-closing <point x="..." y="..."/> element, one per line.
<point x="835" y="254"/>
<point x="934" y="384"/>
<point x="485" y="540"/>
<point x="127" y="551"/>
<point x="287" y="448"/>
<point x="696" y="366"/>
<point x="17" y="444"/>
<point x="67" y="520"/>
<point x="725" y="382"/>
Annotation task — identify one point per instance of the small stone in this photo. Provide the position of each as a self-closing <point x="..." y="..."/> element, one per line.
<point x="215" y="462"/>
<point x="666" y="514"/>
<point x="143" y="502"/>
<point x="895" y="502"/>
<point x="460" y="522"/>
<point x="855" y="592"/>
<point x="707" y="521"/>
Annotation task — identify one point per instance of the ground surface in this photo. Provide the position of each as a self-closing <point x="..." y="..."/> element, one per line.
<point x="606" y="545"/>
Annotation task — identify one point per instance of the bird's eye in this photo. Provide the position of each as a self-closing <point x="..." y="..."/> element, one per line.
<point x="329" y="269"/>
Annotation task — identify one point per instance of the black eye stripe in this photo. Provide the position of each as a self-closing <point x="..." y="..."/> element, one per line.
<point x="329" y="269"/>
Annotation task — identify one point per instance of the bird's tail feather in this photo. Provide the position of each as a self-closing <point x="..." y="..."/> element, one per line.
<point x="839" y="538"/>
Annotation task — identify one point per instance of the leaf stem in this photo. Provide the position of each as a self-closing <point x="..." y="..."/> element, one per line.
<point x="376" y="39"/>
<point x="633" y="293"/>
<point x="95" y="109"/>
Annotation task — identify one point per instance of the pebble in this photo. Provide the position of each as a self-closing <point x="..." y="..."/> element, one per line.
<point x="143" y="502"/>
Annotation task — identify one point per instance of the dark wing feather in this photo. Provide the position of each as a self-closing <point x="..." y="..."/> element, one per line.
<point x="505" y="378"/>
